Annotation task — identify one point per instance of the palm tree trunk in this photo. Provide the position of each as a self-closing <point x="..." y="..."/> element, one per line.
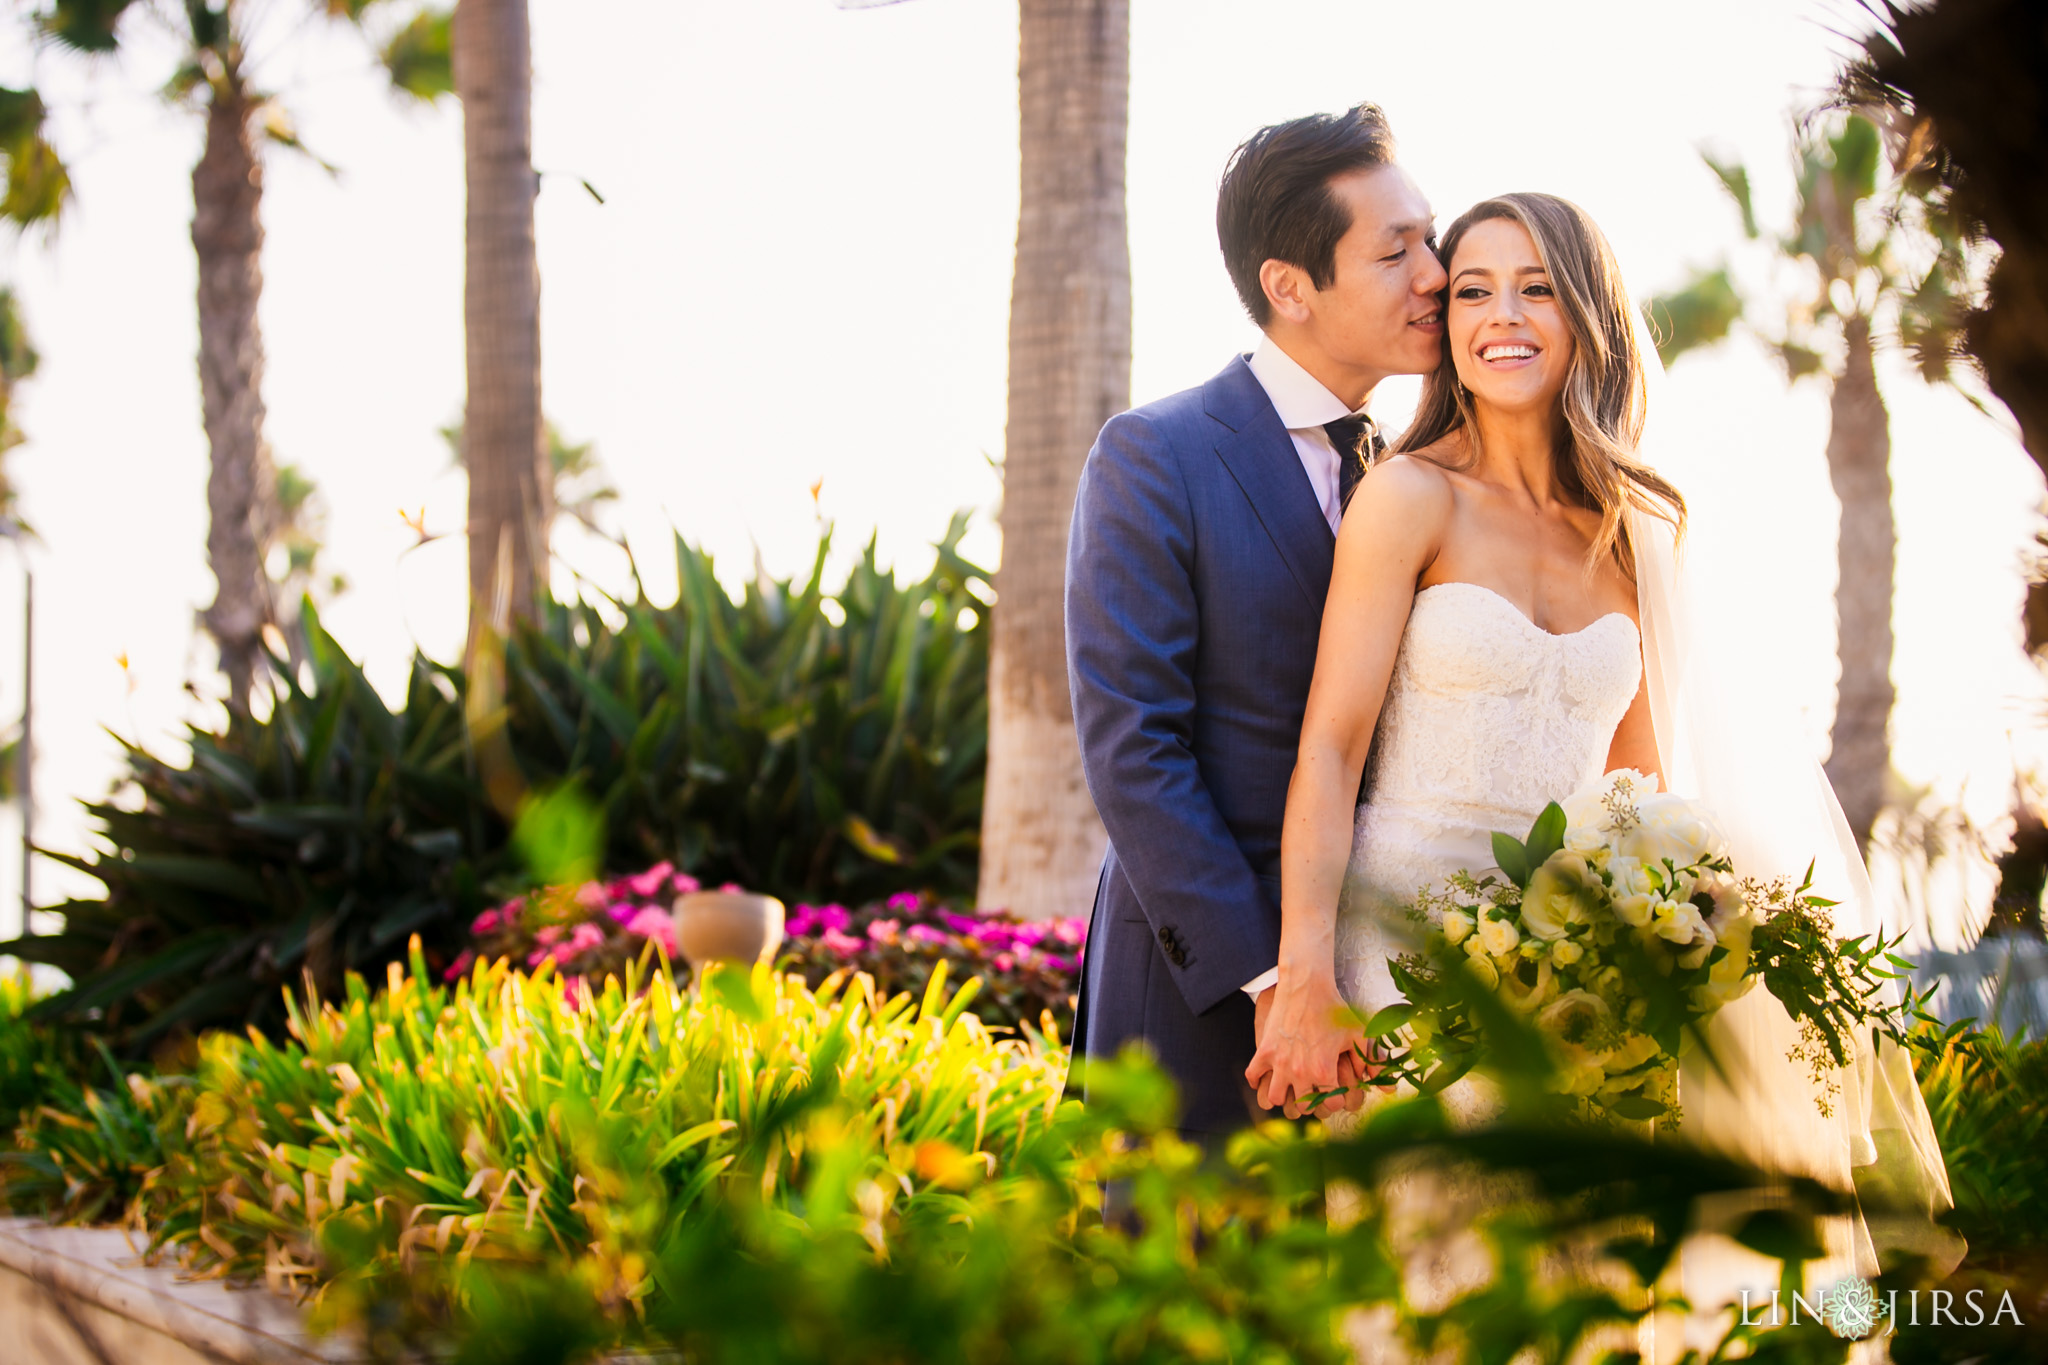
<point x="241" y="488"/>
<point x="1859" y="461"/>
<point x="1070" y="371"/>
<point x="502" y="445"/>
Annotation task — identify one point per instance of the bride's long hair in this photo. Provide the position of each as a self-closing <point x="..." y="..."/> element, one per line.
<point x="1600" y="422"/>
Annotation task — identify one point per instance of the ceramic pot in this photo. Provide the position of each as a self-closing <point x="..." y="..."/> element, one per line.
<point x="727" y="926"/>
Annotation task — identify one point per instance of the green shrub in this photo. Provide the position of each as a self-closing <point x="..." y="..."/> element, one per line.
<point x="1988" y="1095"/>
<point x="756" y="742"/>
<point x="758" y="1171"/>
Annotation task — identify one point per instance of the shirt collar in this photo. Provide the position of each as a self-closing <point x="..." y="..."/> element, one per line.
<point x="1298" y="396"/>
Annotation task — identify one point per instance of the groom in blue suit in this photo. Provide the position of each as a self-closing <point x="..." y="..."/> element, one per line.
<point x="1197" y="565"/>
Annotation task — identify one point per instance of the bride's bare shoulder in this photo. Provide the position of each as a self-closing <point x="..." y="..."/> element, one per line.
<point x="1406" y="485"/>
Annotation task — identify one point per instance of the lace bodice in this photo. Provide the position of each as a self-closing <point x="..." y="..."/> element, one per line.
<point x="1488" y="717"/>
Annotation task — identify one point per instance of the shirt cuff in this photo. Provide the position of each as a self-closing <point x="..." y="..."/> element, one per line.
<point x="1259" y="984"/>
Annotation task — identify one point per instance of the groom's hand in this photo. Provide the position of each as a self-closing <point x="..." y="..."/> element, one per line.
<point x="1307" y="1037"/>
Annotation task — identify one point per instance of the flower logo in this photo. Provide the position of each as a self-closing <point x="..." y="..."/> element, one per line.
<point x="1851" y="1308"/>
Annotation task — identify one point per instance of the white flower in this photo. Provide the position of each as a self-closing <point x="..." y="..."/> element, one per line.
<point x="1729" y="979"/>
<point x="1564" y="952"/>
<point x="1726" y="893"/>
<point x="1524" y="996"/>
<point x="1680" y="922"/>
<point x="1457" y="926"/>
<point x="1671" y="828"/>
<point x="1635" y="1049"/>
<point x="1634" y="890"/>
<point x="1499" y="936"/>
<point x="1483" y="970"/>
<point x="1558" y="896"/>
<point x="1580" y="1026"/>
<point x="1581" y="1078"/>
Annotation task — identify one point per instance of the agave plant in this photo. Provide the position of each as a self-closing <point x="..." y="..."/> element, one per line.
<point x="819" y="747"/>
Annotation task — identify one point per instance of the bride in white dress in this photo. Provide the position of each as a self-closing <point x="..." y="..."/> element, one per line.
<point x="1504" y="624"/>
<point x="1482" y="620"/>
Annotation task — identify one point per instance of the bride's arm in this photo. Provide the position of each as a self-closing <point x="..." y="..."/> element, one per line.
<point x="1635" y="740"/>
<point x="1390" y="534"/>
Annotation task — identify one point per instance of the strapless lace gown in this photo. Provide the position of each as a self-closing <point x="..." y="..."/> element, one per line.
<point x="1488" y="718"/>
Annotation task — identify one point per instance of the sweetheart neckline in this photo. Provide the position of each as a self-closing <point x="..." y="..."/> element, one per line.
<point x="1522" y="616"/>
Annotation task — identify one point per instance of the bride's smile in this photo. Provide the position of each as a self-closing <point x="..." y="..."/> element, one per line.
<point x="1510" y="343"/>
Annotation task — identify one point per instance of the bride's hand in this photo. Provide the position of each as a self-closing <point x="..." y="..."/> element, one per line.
<point x="1311" y="1041"/>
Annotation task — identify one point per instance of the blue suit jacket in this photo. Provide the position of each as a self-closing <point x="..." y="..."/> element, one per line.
<point x="1196" y="572"/>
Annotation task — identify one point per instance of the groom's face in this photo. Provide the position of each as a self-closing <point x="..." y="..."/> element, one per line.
<point x="1381" y="311"/>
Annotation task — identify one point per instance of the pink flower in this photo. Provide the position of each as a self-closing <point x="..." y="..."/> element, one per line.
<point x="1062" y="965"/>
<point x="590" y="895"/>
<point x="586" y="937"/>
<point x="459" y="968"/>
<point x="576" y="991"/>
<point x="886" y="930"/>
<point x="734" y="887"/>
<point x="1070" y="930"/>
<point x="842" y="945"/>
<point x="511" y="909"/>
<point x="648" y="884"/>
<point x="485" y="923"/>
<point x="658" y="925"/>
<point x="549" y="934"/>
<point x="540" y="955"/>
<point x="1004" y="962"/>
<point x="903" y="901"/>
<point x="924" y="933"/>
<point x="622" y="912"/>
<point x="686" y="885"/>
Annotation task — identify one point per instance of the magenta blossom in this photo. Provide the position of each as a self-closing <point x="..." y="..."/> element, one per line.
<point x="485" y="923"/>
<point x="903" y="901"/>
<point x="885" y="931"/>
<point x="658" y="925"/>
<point x="807" y="920"/>
<point x="548" y="935"/>
<point x="622" y="912"/>
<point x="649" y="883"/>
<point x="459" y="968"/>
<point x="924" y="933"/>
<point x="686" y="885"/>
<point x="843" y="945"/>
<point x="586" y="937"/>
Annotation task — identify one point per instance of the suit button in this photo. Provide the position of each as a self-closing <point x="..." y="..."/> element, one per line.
<point x="1180" y="959"/>
<point x="1166" y="936"/>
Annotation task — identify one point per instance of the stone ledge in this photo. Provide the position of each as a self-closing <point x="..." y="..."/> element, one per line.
<point x="83" y="1295"/>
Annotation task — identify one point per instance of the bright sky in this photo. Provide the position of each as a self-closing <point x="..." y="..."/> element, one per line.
<point x="802" y="271"/>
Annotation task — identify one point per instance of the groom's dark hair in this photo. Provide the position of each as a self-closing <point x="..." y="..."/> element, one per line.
<point x="1275" y="202"/>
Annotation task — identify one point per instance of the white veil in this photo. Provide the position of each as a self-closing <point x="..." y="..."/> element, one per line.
<point x="1741" y="751"/>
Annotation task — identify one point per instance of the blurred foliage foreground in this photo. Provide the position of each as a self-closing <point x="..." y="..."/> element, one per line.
<point x="508" y="1170"/>
<point x="817" y="747"/>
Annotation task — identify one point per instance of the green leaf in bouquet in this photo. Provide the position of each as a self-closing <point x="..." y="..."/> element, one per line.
<point x="1389" y="1019"/>
<point x="1513" y="857"/>
<point x="1637" y="1107"/>
<point x="1546" y="836"/>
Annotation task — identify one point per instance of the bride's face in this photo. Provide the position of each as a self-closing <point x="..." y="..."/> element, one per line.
<point x="1509" y="339"/>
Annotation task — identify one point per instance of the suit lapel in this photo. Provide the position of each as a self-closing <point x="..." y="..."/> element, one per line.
<point x="1261" y="457"/>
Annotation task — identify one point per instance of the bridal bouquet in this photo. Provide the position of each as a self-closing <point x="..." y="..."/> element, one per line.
<point x="1619" y="928"/>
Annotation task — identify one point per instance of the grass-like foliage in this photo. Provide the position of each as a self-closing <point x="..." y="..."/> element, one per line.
<point x="812" y="749"/>
<point x="1988" y="1096"/>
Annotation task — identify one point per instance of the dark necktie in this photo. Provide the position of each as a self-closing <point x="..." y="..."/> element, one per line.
<point x="1358" y="443"/>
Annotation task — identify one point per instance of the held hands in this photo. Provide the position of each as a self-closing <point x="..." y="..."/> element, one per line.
<point x="1309" y="1041"/>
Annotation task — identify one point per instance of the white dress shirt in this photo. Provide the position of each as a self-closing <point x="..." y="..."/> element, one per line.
<point x="1304" y="405"/>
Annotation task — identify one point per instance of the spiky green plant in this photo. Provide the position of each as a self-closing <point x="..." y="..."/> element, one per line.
<point x="473" y="1114"/>
<point x="814" y="752"/>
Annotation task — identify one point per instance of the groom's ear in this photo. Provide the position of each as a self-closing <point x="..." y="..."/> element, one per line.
<point x="1287" y="289"/>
